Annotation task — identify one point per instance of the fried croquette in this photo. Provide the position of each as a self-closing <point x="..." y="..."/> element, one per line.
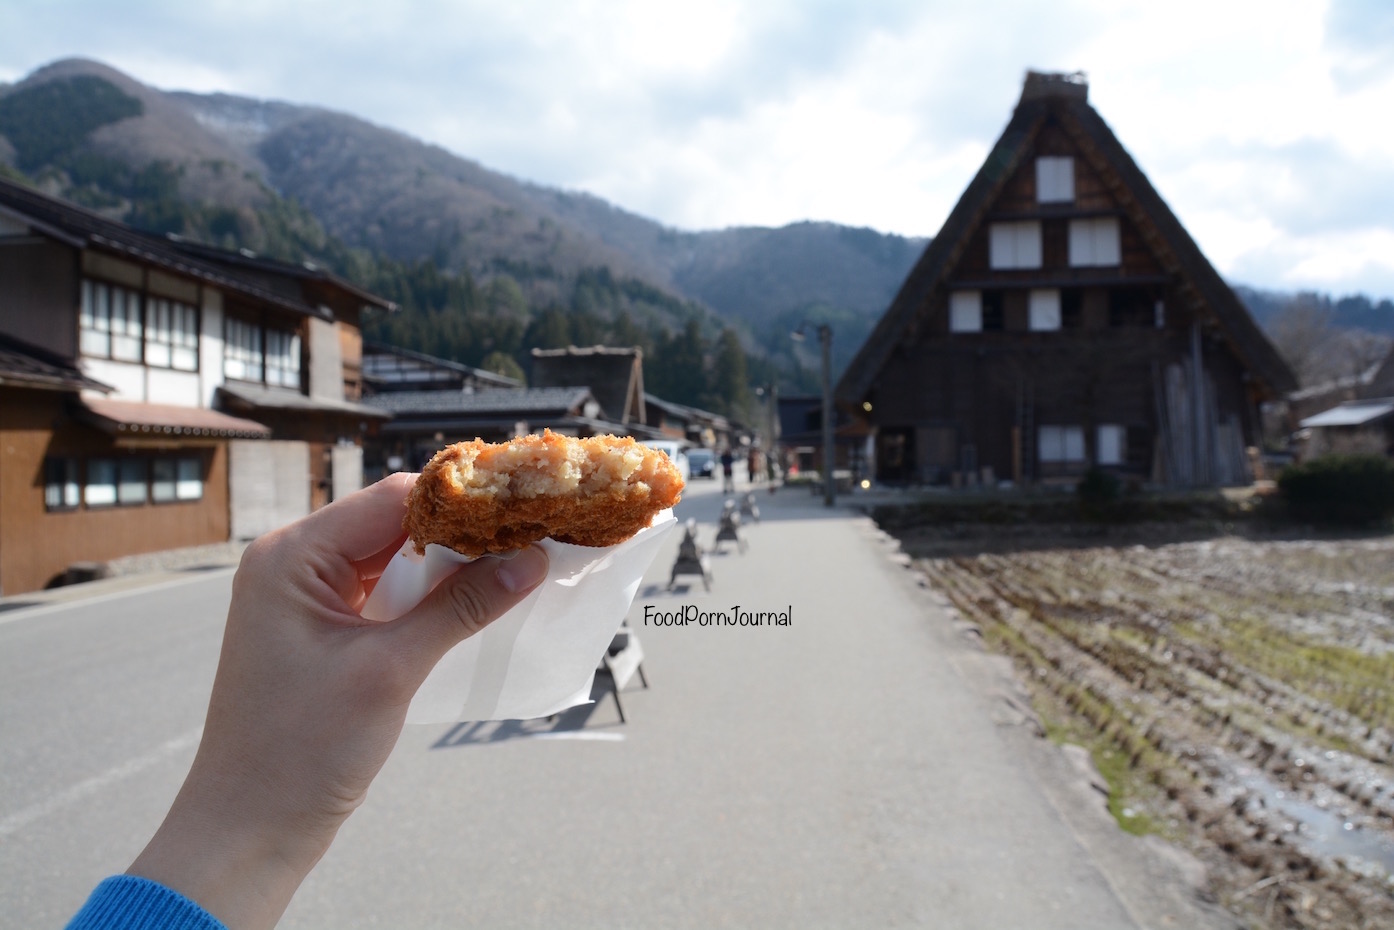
<point x="479" y="498"/>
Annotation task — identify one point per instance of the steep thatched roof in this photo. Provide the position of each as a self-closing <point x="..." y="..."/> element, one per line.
<point x="614" y="374"/>
<point x="1064" y="97"/>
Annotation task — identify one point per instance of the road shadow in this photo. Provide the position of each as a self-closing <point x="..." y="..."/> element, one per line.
<point x="680" y="591"/>
<point x="579" y="722"/>
<point x="794" y="502"/>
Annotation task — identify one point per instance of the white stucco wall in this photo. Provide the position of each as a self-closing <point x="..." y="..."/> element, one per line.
<point x="179" y="388"/>
<point x="346" y="464"/>
<point x="326" y="361"/>
<point x="127" y="377"/>
<point x="268" y="485"/>
<point x="210" y="346"/>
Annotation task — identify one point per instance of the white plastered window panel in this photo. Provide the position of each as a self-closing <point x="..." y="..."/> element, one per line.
<point x="1014" y="245"/>
<point x="1055" y="179"/>
<point x="1044" y="308"/>
<point x="966" y="312"/>
<point x="1112" y="441"/>
<point x="1095" y="242"/>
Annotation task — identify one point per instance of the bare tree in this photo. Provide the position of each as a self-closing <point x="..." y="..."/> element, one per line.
<point x="1361" y="350"/>
<point x="1304" y="335"/>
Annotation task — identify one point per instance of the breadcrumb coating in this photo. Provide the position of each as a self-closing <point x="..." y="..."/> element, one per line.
<point x="479" y="498"/>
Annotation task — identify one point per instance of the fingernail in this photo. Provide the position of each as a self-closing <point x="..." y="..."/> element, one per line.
<point x="524" y="571"/>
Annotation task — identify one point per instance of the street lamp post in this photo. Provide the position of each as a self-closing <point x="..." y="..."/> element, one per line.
<point x="825" y="338"/>
<point x="770" y="394"/>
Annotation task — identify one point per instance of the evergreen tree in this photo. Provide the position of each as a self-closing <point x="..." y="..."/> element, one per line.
<point x="548" y="330"/>
<point x="504" y="297"/>
<point x="587" y="329"/>
<point x="624" y="333"/>
<point x="678" y="370"/>
<point x="730" y="386"/>
<point x="501" y="363"/>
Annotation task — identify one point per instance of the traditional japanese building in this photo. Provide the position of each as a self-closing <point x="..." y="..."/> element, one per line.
<point x="614" y="374"/>
<point x="1061" y="319"/>
<point x="423" y="422"/>
<point x="155" y="394"/>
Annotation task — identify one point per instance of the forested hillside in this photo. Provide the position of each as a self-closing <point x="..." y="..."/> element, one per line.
<point x="486" y="266"/>
<point x="688" y="356"/>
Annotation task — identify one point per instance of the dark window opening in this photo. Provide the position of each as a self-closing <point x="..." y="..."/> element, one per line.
<point x="1071" y="308"/>
<point x="129" y="481"/>
<point x="1131" y="307"/>
<point x="993" y="320"/>
<point x="62" y="484"/>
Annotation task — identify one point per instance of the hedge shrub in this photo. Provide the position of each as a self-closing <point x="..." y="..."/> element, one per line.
<point x="1351" y="489"/>
<point x="1098" y="487"/>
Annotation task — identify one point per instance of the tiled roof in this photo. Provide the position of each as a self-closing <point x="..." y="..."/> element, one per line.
<point x="130" y="418"/>
<point x="499" y="402"/>
<point x="376" y="356"/>
<point x="83" y="228"/>
<point x="1352" y="413"/>
<point x="24" y="365"/>
<point x="683" y="411"/>
<point x="305" y="271"/>
<point x="280" y="399"/>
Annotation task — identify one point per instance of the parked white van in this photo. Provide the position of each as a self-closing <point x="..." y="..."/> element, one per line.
<point x="673" y="448"/>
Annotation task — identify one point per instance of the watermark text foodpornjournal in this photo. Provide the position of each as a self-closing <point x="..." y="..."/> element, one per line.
<point x="737" y="616"/>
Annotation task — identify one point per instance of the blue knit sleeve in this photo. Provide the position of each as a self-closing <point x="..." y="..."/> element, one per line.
<point x="125" y="902"/>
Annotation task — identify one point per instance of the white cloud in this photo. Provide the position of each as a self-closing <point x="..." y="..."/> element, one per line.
<point x="1340" y="263"/>
<point x="1262" y="123"/>
<point x="1360" y="36"/>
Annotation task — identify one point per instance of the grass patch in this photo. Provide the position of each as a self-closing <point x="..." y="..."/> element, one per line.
<point x="1359" y="683"/>
<point x="1131" y="789"/>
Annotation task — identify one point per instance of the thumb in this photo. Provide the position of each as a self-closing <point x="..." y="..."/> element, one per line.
<point x="471" y="599"/>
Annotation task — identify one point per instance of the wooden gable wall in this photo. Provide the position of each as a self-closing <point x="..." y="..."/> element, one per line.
<point x="971" y="406"/>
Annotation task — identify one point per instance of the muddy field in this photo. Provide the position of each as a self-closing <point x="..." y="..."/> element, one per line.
<point x="1237" y="695"/>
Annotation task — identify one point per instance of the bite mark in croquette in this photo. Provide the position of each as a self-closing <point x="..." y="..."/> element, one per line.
<point x="479" y="498"/>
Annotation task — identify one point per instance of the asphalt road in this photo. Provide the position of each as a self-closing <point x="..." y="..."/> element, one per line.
<point x="101" y="706"/>
<point x="859" y="767"/>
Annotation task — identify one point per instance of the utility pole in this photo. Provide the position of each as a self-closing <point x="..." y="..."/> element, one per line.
<point x="825" y="338"/>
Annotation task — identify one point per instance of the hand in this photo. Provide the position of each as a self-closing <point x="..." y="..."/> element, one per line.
<point x="309" y="700"/>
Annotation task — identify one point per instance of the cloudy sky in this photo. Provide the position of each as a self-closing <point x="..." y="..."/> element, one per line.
<point x="1268" y="126"/>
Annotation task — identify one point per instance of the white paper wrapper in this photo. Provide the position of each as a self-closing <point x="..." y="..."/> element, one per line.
<point x="540" y="657"/>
